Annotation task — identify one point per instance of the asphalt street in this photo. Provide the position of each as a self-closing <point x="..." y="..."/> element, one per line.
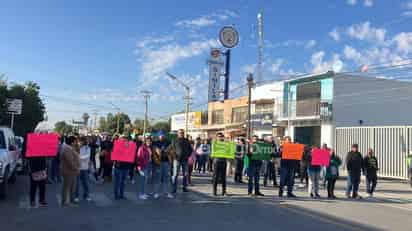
<point x="390" y="209"/>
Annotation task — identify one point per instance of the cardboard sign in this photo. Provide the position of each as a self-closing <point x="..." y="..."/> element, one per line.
<point x="124" y="151"/>
<point x="222" y="149"/>
<point x="320" y="157"/>
<point x="292" y="151"/>
<point x="42" y="145"/>
<point x="261" y="151"/>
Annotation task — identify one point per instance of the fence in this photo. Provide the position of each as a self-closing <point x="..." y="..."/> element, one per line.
<point x="390" y="144"/>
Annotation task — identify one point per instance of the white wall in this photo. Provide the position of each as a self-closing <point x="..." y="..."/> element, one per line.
<point x="268" y="91"/>
<point x="378" y="102"/>
<point x="327" y="134"/>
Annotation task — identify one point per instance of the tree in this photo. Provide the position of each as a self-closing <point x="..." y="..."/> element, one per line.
<point x="161" y="126"/>
<point x="85" y="118"/>
<point x="3" y="96"/>
<point x="33" y="108"/>
<point x="63" y="128"/>
<point x="109" y="124"/>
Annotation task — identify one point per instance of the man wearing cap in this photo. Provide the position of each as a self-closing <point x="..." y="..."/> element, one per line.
<point x="354" y="166"/>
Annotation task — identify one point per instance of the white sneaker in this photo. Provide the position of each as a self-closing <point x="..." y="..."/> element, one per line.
<point x="133" y="182"/>
<point x="156" y="196"/>
<point x="170" y="196"/>
<point x="88" y="199"/>
<point x="76" y="200"/>
<point x="143" y="197"/>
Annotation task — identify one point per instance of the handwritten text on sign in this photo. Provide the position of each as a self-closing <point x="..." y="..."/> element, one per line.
<point x="292" y="151"/>
<point x="320" y="157"/>
<point x="124" y="151"/>
<point x="42" y="145"/>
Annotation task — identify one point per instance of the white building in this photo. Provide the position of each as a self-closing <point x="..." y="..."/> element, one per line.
<point x="314" y="106"/>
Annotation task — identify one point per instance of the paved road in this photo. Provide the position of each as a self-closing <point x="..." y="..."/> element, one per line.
<point x="391" y="209"/>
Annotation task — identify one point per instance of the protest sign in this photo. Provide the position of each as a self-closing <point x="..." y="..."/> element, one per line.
<point x="292" y="151"/>
<point x="124" y="151"/>
<point x="320" y="157"/>
<point x="261" y="151"/>
<point x="222" y="149"/>
<point x="42" y="144"/>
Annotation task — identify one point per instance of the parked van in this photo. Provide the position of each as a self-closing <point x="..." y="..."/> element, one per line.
<point x="10" y="157"/>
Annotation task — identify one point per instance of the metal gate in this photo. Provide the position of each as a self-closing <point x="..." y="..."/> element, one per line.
<point x="391" y="144"/>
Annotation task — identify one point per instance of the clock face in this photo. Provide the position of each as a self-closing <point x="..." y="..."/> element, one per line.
<point x="229" y="37"/>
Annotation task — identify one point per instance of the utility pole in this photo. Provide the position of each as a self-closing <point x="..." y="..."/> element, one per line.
<point x="187" y="99"/>
<point x="260" y="47"/>
<point x="95" y="119"/>
<point x="118" y="117"/>
<point x="250" y="85"/>
<point x="146" y="95"/>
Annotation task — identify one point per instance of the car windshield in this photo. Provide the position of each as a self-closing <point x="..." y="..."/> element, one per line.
<point x="2" y="141"/>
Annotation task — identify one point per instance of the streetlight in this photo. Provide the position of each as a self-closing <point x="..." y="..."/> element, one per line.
<point x="250" y="85"/>
<point x="187" y="98"/>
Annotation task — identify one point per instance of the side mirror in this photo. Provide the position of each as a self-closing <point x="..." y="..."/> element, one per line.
<point x="12" y="148"/>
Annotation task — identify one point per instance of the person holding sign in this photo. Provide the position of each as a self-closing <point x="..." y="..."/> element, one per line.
<point x="219" y="164"/>
<point x="144" y="155"/>
<point x="314" y="174"/>
<point x="291" y="155"/>
<point x="38" y="177"/>
<point x="240" y="153"/>
<point x="124" y="156"/>
<point x="255" y="165"/>
<point x="332" y="174"/>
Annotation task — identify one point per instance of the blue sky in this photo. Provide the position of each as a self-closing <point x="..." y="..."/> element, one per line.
<point x="86" y="54"/>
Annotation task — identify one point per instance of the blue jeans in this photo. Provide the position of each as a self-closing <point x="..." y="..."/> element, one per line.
<point x="202" y="163"/>
<point x="143" y="179"/>
<point x="154" y="177"/>
<point x="287" y="177"/>
<point x="119" y="182"/>
<point x="254" y="175"/>
<point x="177" y="165"/>
<point x="82" y="179"/>
<point x="165" y="176"/>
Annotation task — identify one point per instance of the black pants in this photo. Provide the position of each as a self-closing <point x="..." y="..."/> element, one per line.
<point x="33" y="189"/>
<point x="219" y="175"/>
<point x="270" y="173"/>
<point x="238" y="170"/>
<point x="304" y="175"/>
<point x="101" y="168"/>
<point x="331" y="186"/>
<point x="371" y="183"/>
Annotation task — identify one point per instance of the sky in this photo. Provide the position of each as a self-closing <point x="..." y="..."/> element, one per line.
<point x="96" y="56"/>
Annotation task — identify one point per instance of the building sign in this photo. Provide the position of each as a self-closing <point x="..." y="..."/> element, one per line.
<point x="262" y="121"/>
<point x="178" y="121"/>
<point x="14" y="106"/>
<point x="215" y="71"/>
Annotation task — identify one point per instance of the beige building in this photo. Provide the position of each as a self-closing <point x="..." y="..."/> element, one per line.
<point x="228" y="117"/>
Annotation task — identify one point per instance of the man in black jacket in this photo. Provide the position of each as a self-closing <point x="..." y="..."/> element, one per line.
<point x="354" y="166"/>
<point x="183" y="150"/>
<point x="370" y="168"/>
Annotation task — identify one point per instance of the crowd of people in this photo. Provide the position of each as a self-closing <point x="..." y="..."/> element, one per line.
<point x="159" y="163"/>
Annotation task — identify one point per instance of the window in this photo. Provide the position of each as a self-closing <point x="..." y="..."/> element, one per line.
<point x="2" y="141"/>
<point x="264" y="108"/>
<point x="217" y="117"/>
<point x="239" y="114"/>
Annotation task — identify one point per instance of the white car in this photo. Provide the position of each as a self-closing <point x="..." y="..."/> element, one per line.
<point x="10" y="157"/>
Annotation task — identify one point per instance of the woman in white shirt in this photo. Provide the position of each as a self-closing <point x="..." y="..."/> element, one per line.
<point x="83" y="178"/>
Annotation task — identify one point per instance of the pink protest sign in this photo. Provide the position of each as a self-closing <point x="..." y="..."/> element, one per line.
<point x="320" y="157"/>
<point x="124" y="151"/>
<point x="42" y="144"/>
